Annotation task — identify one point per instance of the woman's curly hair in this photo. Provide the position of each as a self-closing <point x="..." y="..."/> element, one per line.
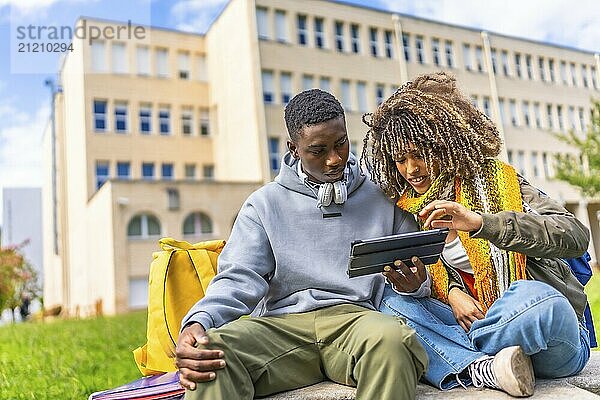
<point x="431" y="114"/>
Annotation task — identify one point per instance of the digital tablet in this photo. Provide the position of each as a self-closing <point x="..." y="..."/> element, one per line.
<point x="372" y="255"/>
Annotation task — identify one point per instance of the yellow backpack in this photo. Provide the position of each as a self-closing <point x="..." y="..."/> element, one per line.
<point x="179" y="276"/>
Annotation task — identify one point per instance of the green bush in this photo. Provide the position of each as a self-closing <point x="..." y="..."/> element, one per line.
<point x="69" y="359"/>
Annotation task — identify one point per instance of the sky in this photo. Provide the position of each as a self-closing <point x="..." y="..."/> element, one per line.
<point x="25" y="100"/>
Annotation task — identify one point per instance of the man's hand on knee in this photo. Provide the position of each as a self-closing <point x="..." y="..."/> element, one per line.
<point x="196" y="364"/>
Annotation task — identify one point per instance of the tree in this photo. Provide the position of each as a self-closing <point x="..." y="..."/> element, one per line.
<point x="18" y="279"/>
<point x="584" y="172"/>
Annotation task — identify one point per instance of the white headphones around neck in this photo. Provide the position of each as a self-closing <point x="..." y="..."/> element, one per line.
<point x="336" y="192"/>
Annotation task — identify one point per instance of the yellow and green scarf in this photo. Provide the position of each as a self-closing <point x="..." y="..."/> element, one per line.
<point x="495" y="189"/>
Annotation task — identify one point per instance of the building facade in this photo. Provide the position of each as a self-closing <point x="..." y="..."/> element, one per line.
<point x="166" y="136"/>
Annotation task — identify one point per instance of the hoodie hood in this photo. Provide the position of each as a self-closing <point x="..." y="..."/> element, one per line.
<point x="288" y="175"/>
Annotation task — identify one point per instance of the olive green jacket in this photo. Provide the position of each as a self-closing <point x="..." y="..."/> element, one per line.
<point x="546" y="235"/>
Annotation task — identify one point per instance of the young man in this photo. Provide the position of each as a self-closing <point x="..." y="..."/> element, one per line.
<point x="289" y="251"/>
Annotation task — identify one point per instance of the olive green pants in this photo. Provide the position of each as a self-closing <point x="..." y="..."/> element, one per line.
<point x="348" y="344"/>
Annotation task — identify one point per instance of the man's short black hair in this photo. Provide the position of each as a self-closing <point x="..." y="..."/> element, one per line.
<point x="309" y="108"/>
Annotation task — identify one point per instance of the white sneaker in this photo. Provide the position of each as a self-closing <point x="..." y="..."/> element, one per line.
<point x="510" y="371"/>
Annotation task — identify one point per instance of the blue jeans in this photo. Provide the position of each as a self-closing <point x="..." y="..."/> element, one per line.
<point x="530" y="314"/>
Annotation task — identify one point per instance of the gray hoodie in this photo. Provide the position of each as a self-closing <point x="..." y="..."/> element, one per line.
<point x="293" y="256"/>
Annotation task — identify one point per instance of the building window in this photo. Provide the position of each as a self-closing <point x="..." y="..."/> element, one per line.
<point x="319" y="35"/>
<point x="449" y="54"/>
<point x="281" y="33"/>
<point x="98" y="56"/>
<point x="420" y="49"/>
<point x="354" y="38"/>
<point x="274" y="154"/>
<point x="550" y="115"/>
<point x="379" y="93"/>
<point x="119" y="58"/>
<point x="307" y="82"/>
<point x="201" y="71"/>
<point x="551" y="70"/>
<point x="204" y="123"/>
<point x="102" y="173"/>
<point x="267" y="84"/>
<point x="145" y="119"/>
<point x="162" y="63"/>
<point x="208" y="172"/>
<point x="164" y="121"/>
<point x="339" y="35"/>
<point x="512" y="105"/>
<point x="138" y="293"/>
<point x="302" y="33"/>
<point x="325" y="84"/>
<point x="584" y="77"/>
<point x="594" y="78"/>
<point x="494" y="61"/>
<point x="143" y="226"/>
<point x="537" y="115"/>
<point x="124" y="170"/>
<point x="120" y="117"/>
<point x="346" y="100"/>
<point x="361" y="95"/>
<point x="354" y="147"/>
<point x="373" y="41"/>
<point x="518" y="65"/>
<point x="187" y="122"/>
<point x="502" y="111"/>
<point x="546" y="165"/>
<point x="99" y="115"/>
<point x="542" y="68"/>
<point x="467" y="56"/>
<point x="505" y="66"/>
<point x="389" y="47"/>
<point x="167" y="171"/>
<point x="521" y="162"/>
<point x="563" y="72"/>
<point x="184" y="65"/>
<point x="172" y="199"/>
<point x="406" y="46"/>
<point x="262" y="23"/>
<point x="197" y="223"/>
<point x="486" y="106"/>
<point x="509" y="155"/>
<point x="573" y="75"/>
<point x="479" y="58"/>
<point x="525" y="109"/>
<point x="534" y="164"/>
<point x="286" y="87"/>
<point x="435" y="49"/>
<point x="143" y="60"/>
<point x="148" y="171"/>
<point x="581" y="119"/>
<point x="572" y="124"/>
<point x="474" y="101"/>
<point x="190" y="171"/>
<point x="529" y="66"/>
<point x="561" y="123"/>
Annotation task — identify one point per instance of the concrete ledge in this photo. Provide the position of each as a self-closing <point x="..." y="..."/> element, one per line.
<point x="584" y="386"/>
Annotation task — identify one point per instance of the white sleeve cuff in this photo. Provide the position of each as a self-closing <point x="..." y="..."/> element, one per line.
<point x="423" y="291"/>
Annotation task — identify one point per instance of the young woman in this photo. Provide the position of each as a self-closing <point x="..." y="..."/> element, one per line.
<point x="502" y="300"/>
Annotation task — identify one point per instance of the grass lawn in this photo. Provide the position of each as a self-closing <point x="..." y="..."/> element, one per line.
<point x="69" y="359"/>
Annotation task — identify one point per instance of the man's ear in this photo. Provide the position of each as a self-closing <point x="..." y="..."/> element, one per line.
<point x="293" y="148"/>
